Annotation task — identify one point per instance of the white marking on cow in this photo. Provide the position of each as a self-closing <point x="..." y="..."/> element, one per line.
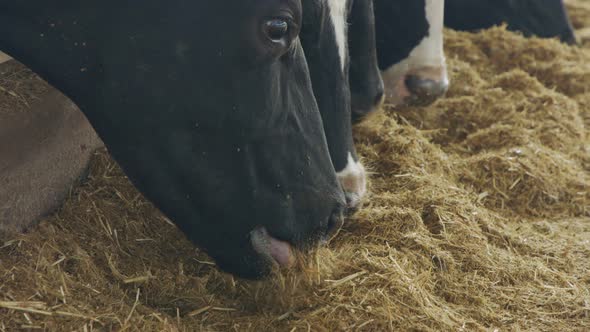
<point x="429" y="53"/>
<point x="353" y="179"/>
<point x="338" y="15"/>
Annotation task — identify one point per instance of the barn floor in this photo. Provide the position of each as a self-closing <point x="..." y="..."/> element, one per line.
<point x="478" y="219"/>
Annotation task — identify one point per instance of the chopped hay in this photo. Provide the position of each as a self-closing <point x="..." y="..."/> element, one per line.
<point x="478" y="219"/>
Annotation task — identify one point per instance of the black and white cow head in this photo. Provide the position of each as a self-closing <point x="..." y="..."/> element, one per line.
<point x="410" y="50"/>
<point x="542" y="18"/>
<point x="324" y="40"/>
<point x="206" y="105"/>
<point x="366" y="84"/>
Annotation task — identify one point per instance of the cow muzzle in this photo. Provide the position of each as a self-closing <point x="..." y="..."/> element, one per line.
<point x="418" y="87"/>
<point x="426" y="85"/>
<point x="353" y="179"/>
<point x="282" y="253"/>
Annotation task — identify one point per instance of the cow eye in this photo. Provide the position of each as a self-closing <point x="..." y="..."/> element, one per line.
<point x="276" y="30"/>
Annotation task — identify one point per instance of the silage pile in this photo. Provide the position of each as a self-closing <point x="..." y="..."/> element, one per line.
<point x="479" y="218"/>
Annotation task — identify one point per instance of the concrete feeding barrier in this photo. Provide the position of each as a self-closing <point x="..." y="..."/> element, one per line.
<point x="45" y="147"/>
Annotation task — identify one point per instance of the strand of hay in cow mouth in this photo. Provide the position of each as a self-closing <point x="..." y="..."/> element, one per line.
<point x="478" y="219"/>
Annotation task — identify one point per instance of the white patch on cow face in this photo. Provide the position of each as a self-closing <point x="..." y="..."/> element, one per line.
<point x="353" y="179"/>
<point x="428" y="56"/>
<point x="338" y="15"/>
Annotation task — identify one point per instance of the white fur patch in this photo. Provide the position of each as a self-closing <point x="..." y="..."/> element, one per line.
<point x="338" y="15"/>
<point x="430" y="53"/>
<point x="353" y="179"/>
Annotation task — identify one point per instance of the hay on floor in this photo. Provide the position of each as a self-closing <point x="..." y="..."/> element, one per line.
<point x="478" y="218"/>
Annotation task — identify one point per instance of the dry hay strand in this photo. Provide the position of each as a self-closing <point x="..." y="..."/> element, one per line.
<point x="477" y="220"/>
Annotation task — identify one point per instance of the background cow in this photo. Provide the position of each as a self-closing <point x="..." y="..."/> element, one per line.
<point x="366" y="84"/>
<point x="324" y="40"/>
<point x="543" y="18"/>
<point x="409" y="43"/>
<point x="213" y="120"/>
<point x="410" y="49"/>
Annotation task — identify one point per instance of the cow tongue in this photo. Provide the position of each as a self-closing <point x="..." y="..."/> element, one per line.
<point x="281" y="252"/>
<point x="265" y="244"/>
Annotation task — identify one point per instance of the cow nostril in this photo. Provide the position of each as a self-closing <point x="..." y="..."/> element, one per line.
<point x="425" y="91"/>
<point x="353" y="201"/>
<point x="335" y="222"/>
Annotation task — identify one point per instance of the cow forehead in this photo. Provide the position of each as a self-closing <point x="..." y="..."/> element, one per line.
<point x="338" y="13"/>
